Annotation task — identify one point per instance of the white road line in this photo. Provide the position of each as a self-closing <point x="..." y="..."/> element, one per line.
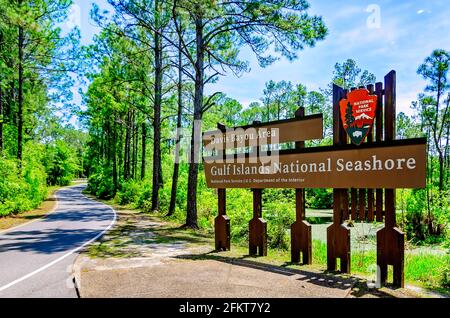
<point x="65" y="255"/>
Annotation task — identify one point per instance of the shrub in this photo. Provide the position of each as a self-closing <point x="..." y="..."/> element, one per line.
<point x="239" y="209"/>
<point x="60" y="163"/>
<point x="22" y="191"/>
<point x="144" y="197"/>
<point x="427" y="220"/>
<point x="100" y="183"/>
<point x="319" y="198"/>
<point x="11" y="187"/>
<point x="129" y="192"/>
<point x="279" y="216"/>
<point x="35" y="177"/>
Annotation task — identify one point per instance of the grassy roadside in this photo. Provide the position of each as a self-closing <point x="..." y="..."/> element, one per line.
<point x="136" y="232"/>
<point x="423" y="270"/>
<point x="47" y="206"/>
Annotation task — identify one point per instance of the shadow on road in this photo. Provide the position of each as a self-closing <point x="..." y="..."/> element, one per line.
<point x="76" y="220"/>
<point x="325" y="279"/>
<point x="46" y="241"/>
<point x="80" y="213"/>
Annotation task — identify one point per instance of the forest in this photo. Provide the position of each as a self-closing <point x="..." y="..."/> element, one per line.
<point x="146" y="101"/>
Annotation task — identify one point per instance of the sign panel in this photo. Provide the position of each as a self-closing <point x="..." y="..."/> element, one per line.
<point x="394" y="165"/>
<point x="307" y="128"/>
<point x="358" y="114"/>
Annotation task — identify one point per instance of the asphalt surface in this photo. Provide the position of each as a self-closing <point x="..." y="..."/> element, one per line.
<point x="36" y="258"/>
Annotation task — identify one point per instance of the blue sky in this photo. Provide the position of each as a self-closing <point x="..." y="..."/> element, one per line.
<point x="399" y="37"/>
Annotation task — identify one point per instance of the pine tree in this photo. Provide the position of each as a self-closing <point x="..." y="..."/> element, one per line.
<point x="349" y="119"/>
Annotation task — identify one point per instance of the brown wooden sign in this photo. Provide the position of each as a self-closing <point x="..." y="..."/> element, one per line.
<point x="307" y="128"/>
<point x="387" y="165"/>
<point x="363" y="175"/>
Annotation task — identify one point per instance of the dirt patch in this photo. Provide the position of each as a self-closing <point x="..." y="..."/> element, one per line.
<point x="139" y="235"/>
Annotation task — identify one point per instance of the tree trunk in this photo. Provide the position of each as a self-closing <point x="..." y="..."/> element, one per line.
<point x="157" y="117"/>
<point x="435" y="129"/>
<point x="278" y="110"/>
<point x="191" y="213"/>
<point x="100" y="152"/>
<point x="1" y="119"/>
<point x="135" y="145"/>
<point x="20" y="96"/>
<point x="9" y="112"/>
<point x="428" y="189"/>
<point x="441" y="171"/>
<point x="120" y="145"/>
<point x="161" y="180"/>
<point x="132" y="145"/>
<point x="447" y="155"/>
<point x="143" y="148"/>
<point x="173" y="192"/>
<point x="114" y="155"/>
<point x="126" y="161"/>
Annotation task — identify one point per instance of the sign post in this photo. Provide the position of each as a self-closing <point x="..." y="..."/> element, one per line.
<point x="222" y="222"/>
<point x="300" y="230"/>
<point x="390" y="239"/>
<point x="257" y="227"/>
<point x="253" y="137"/>
<point x="338" y="234"/>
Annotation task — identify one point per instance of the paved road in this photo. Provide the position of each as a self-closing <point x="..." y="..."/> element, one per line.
<point x="36" y="258"/>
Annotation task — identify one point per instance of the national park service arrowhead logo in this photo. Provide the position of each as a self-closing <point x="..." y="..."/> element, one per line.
<point x="358" y="113"/>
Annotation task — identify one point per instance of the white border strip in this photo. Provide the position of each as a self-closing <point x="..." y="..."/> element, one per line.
<point x="67" y="254"/>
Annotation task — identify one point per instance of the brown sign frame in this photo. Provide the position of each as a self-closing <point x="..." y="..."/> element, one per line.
<point x="288" y="130"/>
<point x="334" y="160"/>
<point x="356" y="204"/>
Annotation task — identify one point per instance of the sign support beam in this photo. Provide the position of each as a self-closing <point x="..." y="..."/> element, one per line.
<point x="222" y="222"/>
<point x="257" y="227"/>
<point x="390" y="239"/>
<point x="338" y="234"/>
<point x="300" y="230"/>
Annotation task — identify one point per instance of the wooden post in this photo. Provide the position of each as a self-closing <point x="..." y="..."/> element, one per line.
<point x="338" y="234"/>
<point x="257" y="227"/>
<point x="222" y="222"/>
<point x="370" y="198"/>
<point x="354" y="194"/>
<point x="390" y="239"/>
<point x="362" y="205"/>
<point x="300" y="229"/>
<point x="379" y="137"/>
<point x="362" y="192"/>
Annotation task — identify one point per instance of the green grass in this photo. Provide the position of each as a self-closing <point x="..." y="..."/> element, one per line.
<point x="424" y="270"/>
<point x="428" y="270"/>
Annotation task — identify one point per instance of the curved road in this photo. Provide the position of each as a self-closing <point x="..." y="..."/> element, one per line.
<point x="36" y="258"/>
